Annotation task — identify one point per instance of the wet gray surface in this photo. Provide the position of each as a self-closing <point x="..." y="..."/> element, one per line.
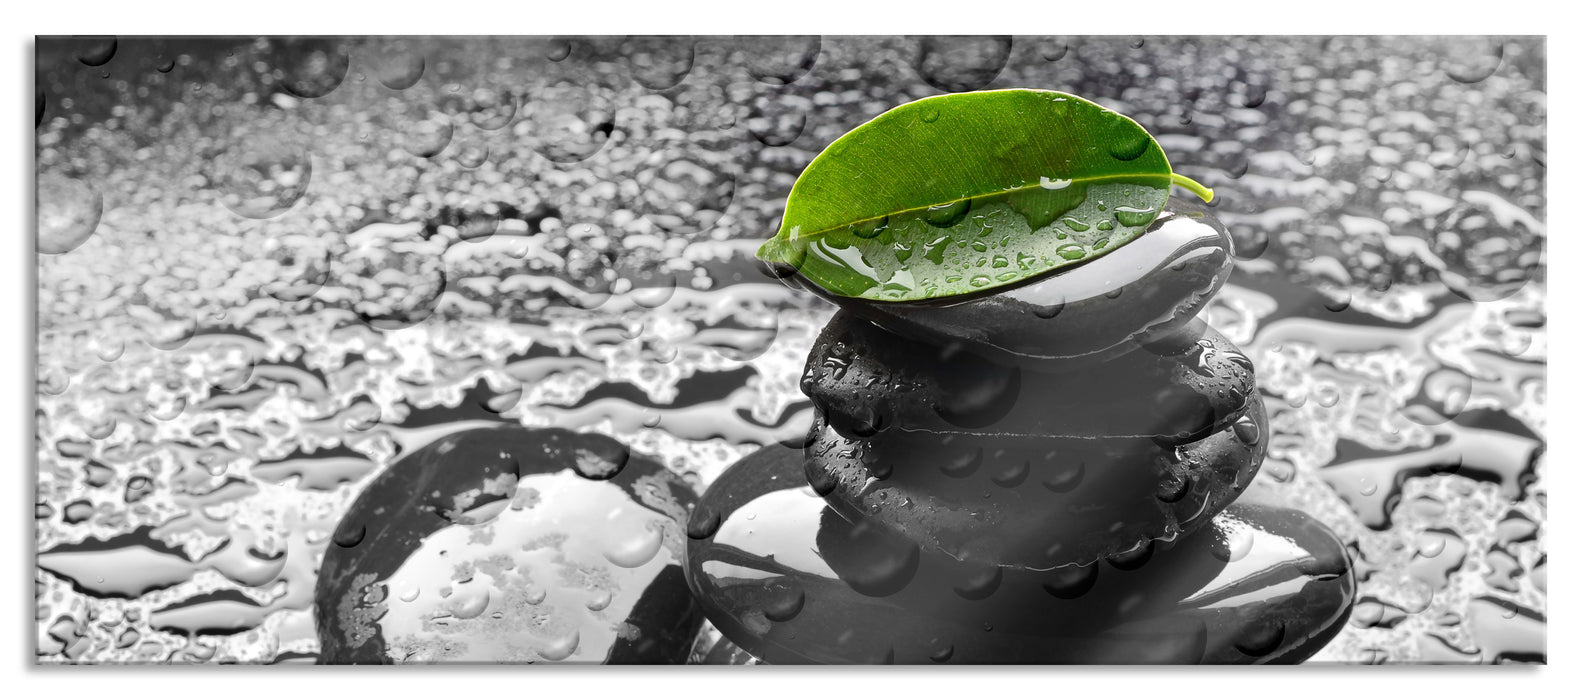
<point x="268" y="267"/>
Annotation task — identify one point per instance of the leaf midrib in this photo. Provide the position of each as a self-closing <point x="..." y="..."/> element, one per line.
<point x="1001" y="193"/>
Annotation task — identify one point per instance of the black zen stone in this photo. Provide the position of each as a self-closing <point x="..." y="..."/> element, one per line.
<point x="1178" y="388"/>
<point x="790" y="581"/>
<point x="1039" y="502"/>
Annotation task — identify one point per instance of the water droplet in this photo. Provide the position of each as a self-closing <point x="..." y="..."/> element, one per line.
<point x="97" y="50"/>
<point x="1127" y="141"/>
<point x="1255" y="95"/>
<point x="110" y="349"/>
<point x="962" y="463"/>
<point x="1327" y="396"/>
<point x="1232" y="544"/>
<point x="1133" y="558"/>
<point x="1048" y="311"/>
<point x="602" y="461"/>
<point x="980" y="584"/>
<point x="1070" y="582"/>
<point x="165" y="65"/>
<point x="931" y="116"/>
<point x="659" y="62"/>
<point x="1341" y="303"/>
<point x="947" y="215"/>
<point x="68" y="213"/>
<point x="961" y="63"/>
<point x="871" y="560"/>
<point x="558" y="50"/>
<point x="491" y="109"/>
<point x="1135" y="216"/>
<point x="311" y="73"/>
<point x="349" y="535"/>
<point x="428" y="136"/>
<point x="473" y="155"/>
<point x="399" y="66"/>
<point x="1071" y="251"/>
<point x="1430" y="544"/>
<point x="535" y="596"/>
<point x="1475" y="62"/>
<point x="1263" y="639"/>
<point x="1053" y="50"/>
<point x="600" y="601"/>
<point x="1012" y="476"/>
<point x="561" y="649"/>
<point x="704" y="523"/>
<point x="1366" y="487"/>
<point x="779" y="60"/>
<point x="1247" y="430"/>
<point x="471" y="603"/>
<point x="637" y="549"/>
<point x="785" y="605"/>
<point x="871" y="228"/>
<point x="1074" y="225"/>
<point x="264" y="176"/>
<point x="941" y="653"/>
<point x="1066" y="477"/>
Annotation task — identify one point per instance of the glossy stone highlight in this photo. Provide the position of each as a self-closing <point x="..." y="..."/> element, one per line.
<point x="510" y="544"/>
<point x="1035" y="502"/>
<point x="1179" y="388"/>
<point x="1261" y="584"/>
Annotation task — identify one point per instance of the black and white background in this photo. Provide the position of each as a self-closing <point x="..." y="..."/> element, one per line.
<point x="263" y="261"/>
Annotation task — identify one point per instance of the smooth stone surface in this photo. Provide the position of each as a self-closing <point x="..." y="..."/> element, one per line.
<point x="790" y="581"/>
<point x="1036" y="503"/>
<point x="511" y="545"/>
<point x="1143" y="289"/>
<point x="1179" y="388"/>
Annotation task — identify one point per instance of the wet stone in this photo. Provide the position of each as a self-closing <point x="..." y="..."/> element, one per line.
<point x="1138" y="292"/>
<point x="494" y="545"/>
<point x="1261" y="584"/>
<point x="1179" y="388"/>
<point x="1036" y="502"/>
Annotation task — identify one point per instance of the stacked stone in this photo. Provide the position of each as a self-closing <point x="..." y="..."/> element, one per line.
<point x="1047" y="473"/>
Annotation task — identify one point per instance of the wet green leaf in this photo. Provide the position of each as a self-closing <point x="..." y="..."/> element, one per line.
<point x="959" y="193"/>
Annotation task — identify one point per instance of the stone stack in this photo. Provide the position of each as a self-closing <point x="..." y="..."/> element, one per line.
<point x="1045" y="473"/>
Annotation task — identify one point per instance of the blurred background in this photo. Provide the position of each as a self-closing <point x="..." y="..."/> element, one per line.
<point x="269" y="266"/>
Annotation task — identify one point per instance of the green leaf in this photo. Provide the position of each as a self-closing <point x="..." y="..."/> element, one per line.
<point x="965" y="192"/>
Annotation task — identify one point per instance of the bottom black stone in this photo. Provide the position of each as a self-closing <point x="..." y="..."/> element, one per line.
<point x="788" y="580"/>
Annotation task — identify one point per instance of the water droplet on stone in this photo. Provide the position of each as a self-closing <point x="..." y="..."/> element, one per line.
<point x="1070" y="582"/>
<point x="785" y="605"/>
<point x="349" y="535"/>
